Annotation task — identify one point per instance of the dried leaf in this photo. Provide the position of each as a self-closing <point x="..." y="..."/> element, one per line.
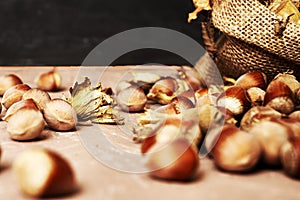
<point x="200" y="6"/>
<point x="93" y="103"/>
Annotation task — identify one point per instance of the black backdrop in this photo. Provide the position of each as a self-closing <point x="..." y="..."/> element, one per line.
<point x="63" y="32"/>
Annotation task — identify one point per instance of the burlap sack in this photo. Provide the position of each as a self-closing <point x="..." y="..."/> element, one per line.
<point x="251" y="42"/>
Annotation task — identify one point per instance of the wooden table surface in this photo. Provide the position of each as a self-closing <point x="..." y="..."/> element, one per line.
<point x="98" y="180"/>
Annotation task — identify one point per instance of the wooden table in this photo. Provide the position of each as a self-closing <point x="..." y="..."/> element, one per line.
<point x="99" y="181"/>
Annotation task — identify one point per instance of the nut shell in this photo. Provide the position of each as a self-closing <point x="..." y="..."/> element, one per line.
<point x="290" y="157"/>
<point x="49" y="81"/>
<point x="236" y="150"/>
<point x="43" y="173"/>
<point x="40" y="97"/>
<point x="25" y="124"/>
<point x="178" y="161"/>
<point x="8" y="81"/>
<point x="14" y="94"/>
<point x="60" y="115"/>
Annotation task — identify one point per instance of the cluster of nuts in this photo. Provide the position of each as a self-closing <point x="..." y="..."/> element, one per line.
<point x="27" y="112"/>
<point x="248" y="121"/>
<point x="261" y="123"/>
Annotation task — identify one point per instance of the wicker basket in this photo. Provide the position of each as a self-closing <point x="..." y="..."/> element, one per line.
<point x="250" y="41"/>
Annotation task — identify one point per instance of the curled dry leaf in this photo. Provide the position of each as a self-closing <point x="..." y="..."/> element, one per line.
<point x="93" y="103"/>
<point x="200" y="5"/>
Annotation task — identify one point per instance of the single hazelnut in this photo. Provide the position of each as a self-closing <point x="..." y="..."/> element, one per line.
<point x="132" y="99"/>
<point x="144" y="80"/>
<point x="256" y="96"/>
<point x="43" y="173"/>
<point x="169" y="130"/>
<point x="60" y="115"/>
<point x="290" y="157"/>
<point x="252" y="79"/>
<point x="289" y="80"/>
<point x="28" y="103"/>
<point x="8" y="81"/>
<point x="257" y="114"/>
<point x="122" y="85"/>
<point x="163" y="91"/>
<point x="178" y="161"/>
<point x="295" y="115"/>
<point x="279" y="97"/>
<point x="25" y="124"/>
<point x="234" y="150"/>
<point x="271" y="136"/>
<point x="14" y="94"/>
<point x="49" y="81"/>
<point x="39" y="96"/>
<point x="235" y="100"/>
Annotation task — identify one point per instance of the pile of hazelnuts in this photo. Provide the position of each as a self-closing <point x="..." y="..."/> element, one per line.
<point x="245" y="123"/>
<point x="28" y="111"/>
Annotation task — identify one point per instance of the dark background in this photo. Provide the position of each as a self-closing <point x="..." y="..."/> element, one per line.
<point x="63" y="32"/>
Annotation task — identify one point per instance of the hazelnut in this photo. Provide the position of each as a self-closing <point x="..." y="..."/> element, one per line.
<point x="25" y="124"/>
<point x="49" y="81"/>
<point x="178" y="161"/>
<point x="252" y="79"/>
<point x="60" y="115"/>
<point x="28" y="103"/>
<point x="168" y="131"/>
<point x="132" y="99"/>
<point x="144" y="80"/>
<point x="235" y="100"/>
<point x="40" y="97"/>
<point x="279" y="97"/>
<point x="234" y="150"/>
<point x="295" y="115"/>
<point x="271" y="136"/>
<point x="14" y="94"/>
<point x="257" y="114"/>
<point x="290" y="157"/>
<point x="8" y="81"/>
<point x="289" y="80"/>
<point x="43" y="173"/>
<point x="256" y="96"/>
<point x="122" y="85"/>
<point x="163" y="91"/>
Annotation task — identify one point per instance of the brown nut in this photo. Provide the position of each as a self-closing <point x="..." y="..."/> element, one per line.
<point x="163" y="91"/>
<point x="178" y="161"/>
<point x="49" y="81"/>
<point x="235" y="100"/>
<point x="234" y="150"/>
<point x="290" y="157"/>
<point x="60" y="115"/>
<point x="170" y="130"/>
<point x="14" y="94"/>
<point x="252" y="79"/>
<point x="43" y="173"/>
<point x="256" y="96"/>
<point x="289" y="80"/>
<point x="8" y="81"/>
<point x="40" y="97"/>
<point x="25" y="124"/>
<point x="28" y="103"/>
<point x="279" y="97"/>
<point x="257" y="114"/>
<point x="132" y="99"/>
<point x="271" y="136"/>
